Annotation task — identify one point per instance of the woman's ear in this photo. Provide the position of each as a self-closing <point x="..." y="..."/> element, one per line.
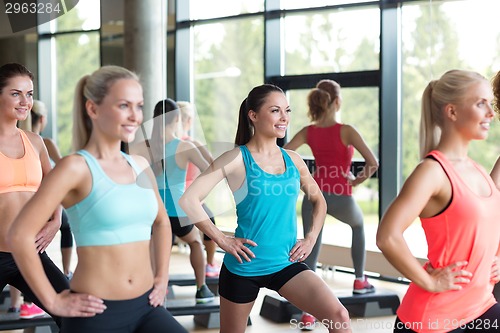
<point x="252" y="115"/>
<point x="450" y="111"/>
<point x="91" y="109"/>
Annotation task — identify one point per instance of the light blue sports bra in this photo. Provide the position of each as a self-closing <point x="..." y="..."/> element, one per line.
<point x="113" y="213"/>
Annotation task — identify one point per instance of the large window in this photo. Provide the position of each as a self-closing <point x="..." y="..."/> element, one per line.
<point x="227" y="64"/>
<point x="332" y="41"/>
<point x="77" y="55"/>
<point x="202" y="9"/>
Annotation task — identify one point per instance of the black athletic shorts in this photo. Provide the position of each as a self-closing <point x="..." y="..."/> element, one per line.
<point x="244" y="289"/>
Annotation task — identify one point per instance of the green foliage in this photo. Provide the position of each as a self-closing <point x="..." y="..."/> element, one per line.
<point x="77" y="54"/>
<point x="218" y="99"/>
<point x="74" y="60"/>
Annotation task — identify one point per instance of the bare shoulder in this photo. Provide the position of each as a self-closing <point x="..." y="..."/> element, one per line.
<point x="35" y="139"/>
<point x="296" y="158"/>
<point x="140" y="161"/>
<point x="185" y="145"/>
<point x="428" y="173"/>
<point x="229" y="159"/>
<point x="74" y="163"/>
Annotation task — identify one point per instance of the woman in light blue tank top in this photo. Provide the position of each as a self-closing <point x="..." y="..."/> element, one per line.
<point x="265" y="252"/>
<point x="120" y="226"/>
<point x="173" y="156"/>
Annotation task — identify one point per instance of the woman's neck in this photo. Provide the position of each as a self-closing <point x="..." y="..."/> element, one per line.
<point x="8" y="128"/>
<point x="262" y="144"/>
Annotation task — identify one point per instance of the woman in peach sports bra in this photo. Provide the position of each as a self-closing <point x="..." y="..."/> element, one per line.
<point x="457" y="203"/>
<point x="24" y="162"/>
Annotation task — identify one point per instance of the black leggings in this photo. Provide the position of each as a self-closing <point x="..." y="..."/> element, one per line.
<point x="66" y="235"/>
<point x="127" y="316"/>
<point x="487" y="322"/>
<point x="10" y="274"/>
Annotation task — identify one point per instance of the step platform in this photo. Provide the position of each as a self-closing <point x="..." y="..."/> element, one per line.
<point x="380" y="303"/>
<point x="183" y="280"/>
<point x="11" y="321"/>
<point x="206" y="315"/>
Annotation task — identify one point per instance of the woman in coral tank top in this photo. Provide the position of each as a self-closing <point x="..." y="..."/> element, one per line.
<point x="457" y="203"/>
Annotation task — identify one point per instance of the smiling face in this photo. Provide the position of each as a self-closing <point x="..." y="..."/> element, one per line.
<point x="474" y="114"/>
<point x="273" y="116"/>
<point x="16" y="98"/>
<point x="120" y="113"/>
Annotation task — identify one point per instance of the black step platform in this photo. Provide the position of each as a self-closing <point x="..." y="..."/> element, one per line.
<point x="11" y="321"/>
<point x="183" y="280"/>
<point x="380" y="303"/>
<point x="207" y="315"/>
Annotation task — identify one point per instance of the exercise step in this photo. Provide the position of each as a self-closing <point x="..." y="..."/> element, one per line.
<point x="380" y="303"/>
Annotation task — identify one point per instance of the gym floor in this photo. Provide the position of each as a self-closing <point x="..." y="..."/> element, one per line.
<point x="341" y="282"/>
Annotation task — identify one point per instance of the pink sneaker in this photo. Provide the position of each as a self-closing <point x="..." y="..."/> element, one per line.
<point x="212" y="270"/>
<point x="307" y="322"/>
<point x="362" y="287"/>
<point x="28" y="311"/>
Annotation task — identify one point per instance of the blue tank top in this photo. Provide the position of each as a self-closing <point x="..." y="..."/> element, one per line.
<point x="172" y="182"/>
<point x="266" y="212"/>
<point x="113" y="213"/>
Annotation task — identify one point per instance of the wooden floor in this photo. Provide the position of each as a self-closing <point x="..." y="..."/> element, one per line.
<point x="339" y="282"/>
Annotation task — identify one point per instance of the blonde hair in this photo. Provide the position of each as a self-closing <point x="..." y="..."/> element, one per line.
<point x="451" y="88"/>
<point x="318" y="102"/>
<point x="187" y="111"/>
<point x="496" y="91"/>
<point x="93" y="87"/>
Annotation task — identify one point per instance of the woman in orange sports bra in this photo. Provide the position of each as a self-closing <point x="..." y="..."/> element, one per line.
<point x="24" y="162"/>
<point x="457" y="203"/>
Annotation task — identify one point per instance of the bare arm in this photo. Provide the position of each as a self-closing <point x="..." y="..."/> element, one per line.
<point x="52" y="149"/>
<point x="50" y="229"/>
<point x="351" y="136"/>
<point x="188" y="152"/>
<point x="426" y="192"/>
<point x="302" y="249"/>
<point x="495" y="173"/>
<point x="225" y="167"/>
<point x="66" y="178"/>
<point x="298" y="140"/>
<point x="161" y="242"/>
<point x="203" y="150"/>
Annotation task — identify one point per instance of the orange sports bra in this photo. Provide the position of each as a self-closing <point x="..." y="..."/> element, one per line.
<point x="21" y="174"/>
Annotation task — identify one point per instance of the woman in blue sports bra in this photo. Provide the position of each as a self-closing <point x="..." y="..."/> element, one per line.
<point x="115" y="212"/>
<point x="265" y="252"/>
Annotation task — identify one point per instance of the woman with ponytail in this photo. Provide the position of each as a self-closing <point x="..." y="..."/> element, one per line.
<point x="457" y="203"/>
<point x="120" y="226"/>
<point x="265" y="181"/>
<point x="332" y="144"/>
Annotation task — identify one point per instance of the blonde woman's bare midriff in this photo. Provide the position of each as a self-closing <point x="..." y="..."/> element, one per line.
<point x="11" y="204"/>
<point x="115" y="272"/>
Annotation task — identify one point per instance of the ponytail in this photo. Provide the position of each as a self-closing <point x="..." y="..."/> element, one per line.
<point x="318" y="102"/>
<point x="245" y="130"/>
<point x="430" y="132"/>
<point x="82" y="125"/>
